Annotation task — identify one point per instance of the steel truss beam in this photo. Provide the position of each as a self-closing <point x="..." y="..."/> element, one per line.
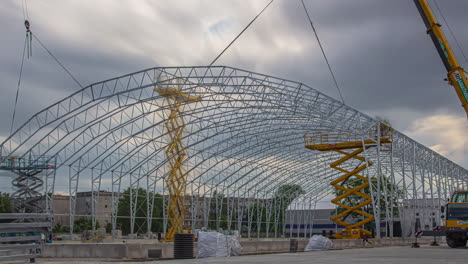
<point x="243" y="141"/>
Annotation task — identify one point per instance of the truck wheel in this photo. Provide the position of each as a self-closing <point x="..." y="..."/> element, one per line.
<point x="455" y="243"/>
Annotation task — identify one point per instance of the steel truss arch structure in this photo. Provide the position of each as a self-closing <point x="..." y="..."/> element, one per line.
<point x="244" y="141"/>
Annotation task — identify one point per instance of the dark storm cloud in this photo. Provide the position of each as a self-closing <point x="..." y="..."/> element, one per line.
<point x="380" y="53"/>
<point x="44" y="81"/>
<point x="384" y="62"/>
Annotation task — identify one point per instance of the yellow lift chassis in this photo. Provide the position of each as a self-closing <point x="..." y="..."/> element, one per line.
<point x="455" y="73"/>
<point x="175" y="154"/>
<point x="350" y="146"/>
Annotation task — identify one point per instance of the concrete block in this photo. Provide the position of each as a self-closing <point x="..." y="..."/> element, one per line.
<point x="72" y="237"/>
<point x="301" y="245"/>
<point x="248" y="247"/>
<point x="100" y="232"/>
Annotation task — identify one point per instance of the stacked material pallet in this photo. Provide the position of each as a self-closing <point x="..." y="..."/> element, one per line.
<point x="22" y="235"/>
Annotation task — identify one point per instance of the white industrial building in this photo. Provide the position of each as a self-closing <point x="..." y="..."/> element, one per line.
<point x="420" y="214"/>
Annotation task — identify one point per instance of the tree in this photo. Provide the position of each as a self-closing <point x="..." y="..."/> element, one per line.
<point x="6" y="204"/>
<point x="83" y="224"/>
<point x="280" y="201"/>
<point x="108" y="227"/>
<point x="283" y="197"/>
<point x="258" y="222"/>
<point x="218" y="201"/>
<point x="58" y="228"/>
<point x="141" y="211"/>
<point x="289" y="191"/>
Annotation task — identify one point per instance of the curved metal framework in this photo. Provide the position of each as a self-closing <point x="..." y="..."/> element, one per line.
<point x="244" y="140"/>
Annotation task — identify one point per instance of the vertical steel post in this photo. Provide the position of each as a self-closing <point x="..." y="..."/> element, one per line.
<point x="379" y="178"/>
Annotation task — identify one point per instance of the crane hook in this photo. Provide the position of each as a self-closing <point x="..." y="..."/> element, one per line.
<point x="28" y="37"/>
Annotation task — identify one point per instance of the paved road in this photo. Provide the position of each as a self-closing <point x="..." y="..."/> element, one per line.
<point x="400" y="255"/>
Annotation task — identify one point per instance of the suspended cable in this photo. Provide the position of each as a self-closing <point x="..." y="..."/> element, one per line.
<point x="222" y="52"/>
<point x="23" y="9"/>
<point x="451" y="32"/>
<point x="323" y="52"/>
<point x="56" y="60"/>
<point x="27" y="48"/>
<point x="26" y="9"/>
<point x="18" y="88"/>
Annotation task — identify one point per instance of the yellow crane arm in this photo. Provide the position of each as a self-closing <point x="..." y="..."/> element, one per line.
<point x="456" y="74"/>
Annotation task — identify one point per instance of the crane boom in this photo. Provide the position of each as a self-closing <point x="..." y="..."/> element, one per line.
<point x="456" y="74"/>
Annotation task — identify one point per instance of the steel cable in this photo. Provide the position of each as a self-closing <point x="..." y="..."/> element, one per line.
<point x="222" y="52"/>
<point x="18" y="88"/>
<point x="323" y="52"/>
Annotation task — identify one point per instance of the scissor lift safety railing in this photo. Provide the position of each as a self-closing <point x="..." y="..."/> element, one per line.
<point x="351" y="146"/>
<point x="31" y="174"/>
<point x="175" y="154"/>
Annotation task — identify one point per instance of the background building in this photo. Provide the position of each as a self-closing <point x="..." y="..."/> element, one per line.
<point x="308" y="222"/>
<point x="420" y="214"/>
<point x="61" y="210"/>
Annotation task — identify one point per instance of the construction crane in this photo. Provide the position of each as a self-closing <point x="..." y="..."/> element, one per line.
<point x="456" y="74"/>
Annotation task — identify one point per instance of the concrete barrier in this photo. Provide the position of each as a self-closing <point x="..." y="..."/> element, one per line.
<point x="106" y="250"/>
<point x="282" y="246"/>
<point x="85" y="250"/>
<point x="249" y="247"/>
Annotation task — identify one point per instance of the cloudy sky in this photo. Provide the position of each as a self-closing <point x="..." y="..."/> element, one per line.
<point x="383" y="60"/>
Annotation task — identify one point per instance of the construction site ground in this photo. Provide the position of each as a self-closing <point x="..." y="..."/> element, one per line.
<point x="382" y="255"/>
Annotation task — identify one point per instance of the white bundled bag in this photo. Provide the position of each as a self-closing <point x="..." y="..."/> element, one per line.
<point x="212" y="244"/>
<point x="318" y="242"/>
<point x="235" y="248"/>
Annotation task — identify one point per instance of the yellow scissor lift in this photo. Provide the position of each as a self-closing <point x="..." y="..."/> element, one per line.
<point x="175" y="154"/>
<point x="350" y="146"/>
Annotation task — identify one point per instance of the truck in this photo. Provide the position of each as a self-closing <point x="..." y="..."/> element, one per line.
<point x="456" y="219"/>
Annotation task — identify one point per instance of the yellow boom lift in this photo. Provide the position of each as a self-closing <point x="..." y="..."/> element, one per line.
<point x="456" y="74"/>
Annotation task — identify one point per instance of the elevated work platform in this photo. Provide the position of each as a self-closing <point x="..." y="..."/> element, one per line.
<point x="16" y="163"/>
<point x="351" y="183"/>
<point x="175" y="155"/>
<point x="325" y="141"/>
<point x="177" y="95"/>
